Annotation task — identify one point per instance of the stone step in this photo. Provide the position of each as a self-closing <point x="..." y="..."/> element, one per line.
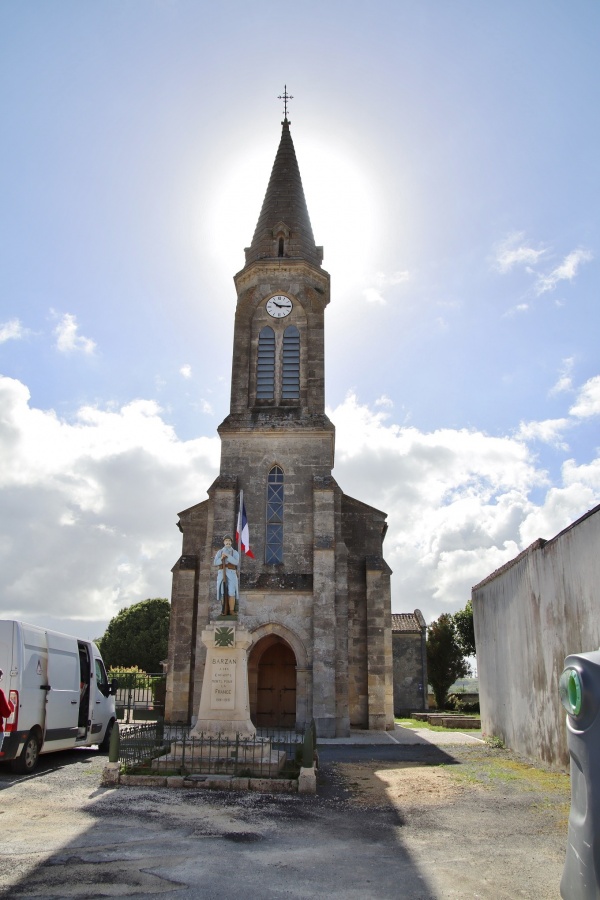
<point x="447" y="720"/>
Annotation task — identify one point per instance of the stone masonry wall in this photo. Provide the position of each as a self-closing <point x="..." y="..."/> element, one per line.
<point x="410" y="692"/>
<point x="182" y="628"/>
<point x="308" y="287"/>
<point x="300" y="456"/>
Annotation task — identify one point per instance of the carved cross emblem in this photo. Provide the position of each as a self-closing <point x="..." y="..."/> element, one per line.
<point x="224" y="637"/>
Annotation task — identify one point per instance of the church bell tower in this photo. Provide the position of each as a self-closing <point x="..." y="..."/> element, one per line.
<point x="316" y="594"/>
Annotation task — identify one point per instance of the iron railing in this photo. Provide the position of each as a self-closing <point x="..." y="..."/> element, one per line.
<point x="140" y="697"/>
<point x="167" y="749"/>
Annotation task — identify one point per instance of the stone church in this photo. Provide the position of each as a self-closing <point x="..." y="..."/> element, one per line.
<point x="316" y="595"/>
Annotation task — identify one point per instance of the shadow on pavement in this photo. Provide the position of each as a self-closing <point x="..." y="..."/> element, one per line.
<point x="47" y="764"/>
<point x="428" y="754"/>
<point x="148" y="842"/>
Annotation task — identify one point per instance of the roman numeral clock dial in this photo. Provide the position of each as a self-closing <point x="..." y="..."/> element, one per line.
<point x="279" y="306"/>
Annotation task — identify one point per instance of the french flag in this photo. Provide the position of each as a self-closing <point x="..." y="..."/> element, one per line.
<point x="242" y="533"/>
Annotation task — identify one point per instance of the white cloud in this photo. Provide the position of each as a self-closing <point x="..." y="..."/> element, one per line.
<point x="186" y="371"/>
<point x="587" y="404"/>
<point x="455" y="501"/>
<point x="566" y="271"/>
<point x="68" y="339"/>
<point x="89" y="505"/>
<point x="206" y="407"/>
<point x="586" y="475"/>
<point x="588" y="399"/>
<point x="519" y="308"/>
<point x="12" y="331"/>
<point x="384" y="400"/>
<point x="564" y="382"/>
<point x="562" y="505"/>
<point x="375" y="292"/>
<point x="458" y="502"/>
<point x="513" y="251"/>
<point x="373" y="295"/>
<point x="550" y="431"/>
<point x="399" y="277"/>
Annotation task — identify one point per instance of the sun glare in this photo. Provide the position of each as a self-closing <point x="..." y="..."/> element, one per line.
<point x="342" y="205"/>
<point x="340" y="197"/>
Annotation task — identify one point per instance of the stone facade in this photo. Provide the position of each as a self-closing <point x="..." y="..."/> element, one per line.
<point x="409" y="647"/>
<point x="320" y="618"/>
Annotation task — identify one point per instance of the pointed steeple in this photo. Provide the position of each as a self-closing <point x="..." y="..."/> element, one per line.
<point x="283" y="228"/>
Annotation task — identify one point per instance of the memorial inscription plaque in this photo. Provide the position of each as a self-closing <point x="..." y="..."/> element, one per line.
<point x="222" y="693"/>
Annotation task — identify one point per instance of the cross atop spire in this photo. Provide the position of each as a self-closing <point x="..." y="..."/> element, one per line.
<point x="285" y="97"/>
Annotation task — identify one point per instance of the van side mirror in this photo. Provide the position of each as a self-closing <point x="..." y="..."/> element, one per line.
<point x="114" y="686"/>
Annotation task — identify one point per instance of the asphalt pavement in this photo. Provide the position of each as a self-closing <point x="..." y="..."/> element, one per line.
<point x="455" y="835"/>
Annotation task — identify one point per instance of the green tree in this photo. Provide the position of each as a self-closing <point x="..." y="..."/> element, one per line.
<point x="445" y="657"/>
<point x="138" y="636"/>
<point x="463" y="620"/>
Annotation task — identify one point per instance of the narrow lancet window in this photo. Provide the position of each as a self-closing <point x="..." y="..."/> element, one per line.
<point x="265" y="365"/>
<point x="274" y="535"/>
<point x="280" y="253"/>
<point x="290" y="383"/>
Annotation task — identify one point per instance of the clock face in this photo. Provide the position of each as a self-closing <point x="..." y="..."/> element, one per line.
<point x="279" y="306"/>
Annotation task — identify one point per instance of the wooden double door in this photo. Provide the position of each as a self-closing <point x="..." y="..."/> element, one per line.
<point x="276" y="687"/>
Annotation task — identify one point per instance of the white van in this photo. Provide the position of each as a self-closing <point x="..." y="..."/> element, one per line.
<point x="60" y="691"/>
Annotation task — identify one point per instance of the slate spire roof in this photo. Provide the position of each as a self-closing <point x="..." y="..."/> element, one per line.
<point x="283" y="227"/>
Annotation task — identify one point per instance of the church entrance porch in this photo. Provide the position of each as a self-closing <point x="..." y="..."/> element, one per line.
<point x="272" y="683"/>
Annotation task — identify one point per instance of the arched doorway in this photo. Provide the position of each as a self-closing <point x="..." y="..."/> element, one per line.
<point x="272" y="682"/>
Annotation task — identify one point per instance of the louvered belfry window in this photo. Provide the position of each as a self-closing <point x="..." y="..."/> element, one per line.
<point x="274" y="542"/>
<point x="265" y="369"/>
<point x="290" y="382"/>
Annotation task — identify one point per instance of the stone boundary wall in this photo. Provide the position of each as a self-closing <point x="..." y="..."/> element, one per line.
<point x="528" y="616"/>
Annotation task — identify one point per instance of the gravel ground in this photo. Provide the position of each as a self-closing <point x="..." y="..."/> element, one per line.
<point x="388" y="822"/>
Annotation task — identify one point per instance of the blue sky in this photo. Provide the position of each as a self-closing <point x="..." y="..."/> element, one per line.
<point x="449" y="154"/>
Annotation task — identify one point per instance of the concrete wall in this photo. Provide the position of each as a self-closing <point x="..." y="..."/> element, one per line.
<point x="528" y="616"/>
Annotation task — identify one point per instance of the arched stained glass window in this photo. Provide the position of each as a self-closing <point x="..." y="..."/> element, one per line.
<point x="274" y="536"/>
<point x="265" y="366"/>
<point x="290" y="380"/>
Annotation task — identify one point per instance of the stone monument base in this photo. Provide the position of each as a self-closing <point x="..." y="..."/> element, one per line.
<point x="224" y="701"/>
<point x="254" y="758"/>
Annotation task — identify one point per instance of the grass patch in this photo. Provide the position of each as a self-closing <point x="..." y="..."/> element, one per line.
<point x="494" y="743"/>
<point x="550" y="792"/>
<point x="502" y="770"/>
<point x="414" y="723"/>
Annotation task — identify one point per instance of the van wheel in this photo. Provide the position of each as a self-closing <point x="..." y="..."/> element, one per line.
<point x="27" y="760"/>
<point x="104" y="744"/>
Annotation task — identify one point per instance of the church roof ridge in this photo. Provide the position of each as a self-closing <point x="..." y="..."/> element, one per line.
<point x="409" y="623"/>
<point x="283" y="227"/>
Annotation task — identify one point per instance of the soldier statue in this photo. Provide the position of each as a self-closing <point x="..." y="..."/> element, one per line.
<point x="227" y="560"/>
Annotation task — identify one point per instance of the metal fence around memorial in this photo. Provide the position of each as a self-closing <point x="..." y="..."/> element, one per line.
<point x="162" y="749"/>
